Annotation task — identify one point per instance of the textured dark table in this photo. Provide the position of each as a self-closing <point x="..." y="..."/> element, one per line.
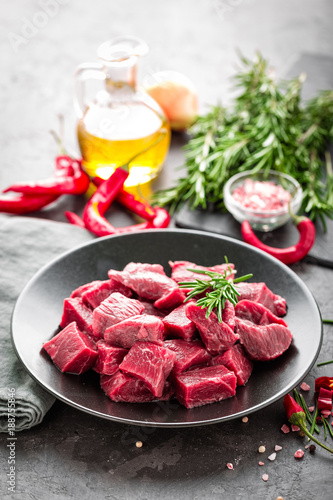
<point x="72" y="454"/>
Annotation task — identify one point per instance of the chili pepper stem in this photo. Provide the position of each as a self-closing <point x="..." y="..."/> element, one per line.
<point x="313" y="438"/>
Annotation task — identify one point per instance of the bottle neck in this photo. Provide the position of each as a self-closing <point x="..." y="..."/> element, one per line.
<point x="121" y="77"/>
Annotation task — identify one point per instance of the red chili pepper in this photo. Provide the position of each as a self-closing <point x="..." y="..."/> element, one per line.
<point x="325" y="382"/>
<point x="63" y="183"/>
<point x="288" y="255"/>
<point x="110" y="189"/>
<point x="296" y="415"/>
<point x="74" y="219"/>
<point x="325" y="399"/>
<point x="93" y="214"/>
<point x="25" y="203"/>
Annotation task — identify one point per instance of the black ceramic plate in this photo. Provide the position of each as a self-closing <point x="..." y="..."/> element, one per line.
<point x="38" y="311"/>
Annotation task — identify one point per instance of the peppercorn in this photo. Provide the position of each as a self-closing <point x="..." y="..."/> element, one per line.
<point x="312" y="448"/>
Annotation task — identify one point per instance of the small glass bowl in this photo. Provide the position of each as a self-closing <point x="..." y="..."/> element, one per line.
<point x="263" y="220"/>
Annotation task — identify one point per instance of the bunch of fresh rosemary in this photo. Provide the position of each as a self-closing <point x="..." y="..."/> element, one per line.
<point x="268" y="128"/>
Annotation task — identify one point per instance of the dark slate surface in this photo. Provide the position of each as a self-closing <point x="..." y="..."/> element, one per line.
<point x="74" y="455"/>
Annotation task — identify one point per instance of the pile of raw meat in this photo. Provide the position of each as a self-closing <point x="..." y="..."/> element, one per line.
<point x="135" y="330"/>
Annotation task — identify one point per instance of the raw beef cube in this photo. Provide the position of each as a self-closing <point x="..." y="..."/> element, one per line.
<point x="95" y="294"/>
<point x="75" y="310"/>
<point x="170" y="300"/>
<point x="188" y="354"/>
<point x="180" y="270"/>
<point x="205" y="385"/>
<point x="109" y="358"/>
<point x="123" y="388"/>
<point x="150" y="363"/>
<point x="112" y="310"/>
<point x="71" y="350"/>
<point x="259" y="292"/>
<point x="263" y="342"/>
<point x="217" y="337"/>
<point x="256" y="313"/>
<point x="83" y="288"/>
<point x="177" y="324"/>
<point x="148" y="285"/>
<point x="236" y="361"/>
<point x="228" y="314"/>
<point x="149" y="308"/>
<point x="134" y="267"/>
<point x="141" y="327"/>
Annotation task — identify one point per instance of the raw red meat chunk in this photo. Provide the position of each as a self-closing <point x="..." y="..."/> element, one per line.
<point x="202" y="386"/>
<point x="134" y="267"/>
<point x="75" y="310"/>
<point x="256" y="313"/>
<point x="259" y="292"/>
<point x="217" y="337"/>
<point x="71" y="350"/>
<point x="170" y="300"/>
<point x="149" y="308"/>
<point x="95" y="295"/>
<point x="180" y="270"/>
<point x="109" y="358"/>
<point x="149" y="285"/>
<point x="178" y="325"/>
<point x="263" y="342"/>
<point x="228" y="314"/>
<point x="236" y="361"/>
<point x="188" y="354"/>
<point x="112" y="310"/>
<point x="141" y="327"/>
<point x="123" y="388"/>
<point x="150" y="363"/>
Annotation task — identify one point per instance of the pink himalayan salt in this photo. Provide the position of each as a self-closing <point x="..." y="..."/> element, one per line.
<point x="311" y="409"/>
<point x="277" y="447"/>
<point x="230" y="466"/>
<point x="265" y="477"/>
<point x="325" y="413"/>
<point x="299" y="454"/>
<point x="261" y="196"/>
<point x="261" y="463"/>
<point x="294" y="428"/>
<point x="305" y="387"/>
<point x="272" y="457"/>
<point x="285" y="429"/>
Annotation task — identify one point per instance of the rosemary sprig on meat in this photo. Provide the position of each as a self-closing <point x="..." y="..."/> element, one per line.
<point x="267" y="128"/>
<point x="219" y="288"/>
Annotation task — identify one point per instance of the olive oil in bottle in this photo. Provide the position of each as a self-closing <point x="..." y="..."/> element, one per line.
<point x="120" y="122"/>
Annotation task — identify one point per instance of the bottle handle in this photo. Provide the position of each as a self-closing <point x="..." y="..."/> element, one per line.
<point x="84" y="72"/>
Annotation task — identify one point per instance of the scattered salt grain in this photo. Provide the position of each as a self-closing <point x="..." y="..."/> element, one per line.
<point x="294" y="428"/>
<point x="230" y="466"/>
<point x="279" y="498"/>
<point x="245" y="420"/>
<point x="311" y="409"/>
<point x="277" y="447"/>
<point x="265" y="477"/>
<point x="139" y="444"/>
<point x="272" y="457"/>
<point x="261" y="463"/>
<point x="299" y="454"/>
<point x="285" y="429"/>
<point x="305" y="387"/>
<point x="262" y="449"/>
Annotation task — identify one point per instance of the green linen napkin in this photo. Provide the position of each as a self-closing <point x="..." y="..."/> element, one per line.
<point x="26" y="244"/>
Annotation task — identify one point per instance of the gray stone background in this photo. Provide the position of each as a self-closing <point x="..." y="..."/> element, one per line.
<point x="71" y="454"/>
